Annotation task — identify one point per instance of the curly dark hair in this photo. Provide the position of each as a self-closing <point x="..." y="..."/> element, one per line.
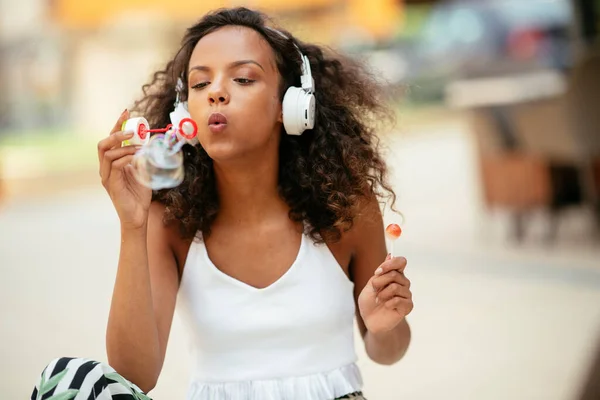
<point x="326" y="173"/>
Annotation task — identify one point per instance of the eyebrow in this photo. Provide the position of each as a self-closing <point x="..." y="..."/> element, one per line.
<point x="231" y="65"/>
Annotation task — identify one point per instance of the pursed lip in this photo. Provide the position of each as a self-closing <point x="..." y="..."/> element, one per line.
<point x="217" y="119"/>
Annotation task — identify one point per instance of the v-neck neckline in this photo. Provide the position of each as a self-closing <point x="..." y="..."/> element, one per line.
<point x="247" y="286"/>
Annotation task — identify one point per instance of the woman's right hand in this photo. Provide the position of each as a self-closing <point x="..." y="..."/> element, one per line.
<point x="130" y="198"/>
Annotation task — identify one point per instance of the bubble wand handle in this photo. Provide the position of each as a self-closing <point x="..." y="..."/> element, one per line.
<point x="177" y="147"/>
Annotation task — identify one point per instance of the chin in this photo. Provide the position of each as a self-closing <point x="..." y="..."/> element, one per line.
<point x="234" y="149"/>
<point x="223" y="152"/>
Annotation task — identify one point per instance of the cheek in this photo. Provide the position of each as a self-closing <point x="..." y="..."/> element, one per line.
<point x="195" y="106"/>
<point x="264" y="110"/>
<point x="269" y="109"/>
<point x="277" y="108"/>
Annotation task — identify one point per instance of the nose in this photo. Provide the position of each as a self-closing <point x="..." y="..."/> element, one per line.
<point x="218" y="96"/>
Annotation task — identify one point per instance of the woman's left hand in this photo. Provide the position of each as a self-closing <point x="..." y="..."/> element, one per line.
<point x="386" y="299"/>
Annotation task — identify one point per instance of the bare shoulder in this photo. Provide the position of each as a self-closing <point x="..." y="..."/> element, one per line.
<point x="157" y="212"/>
<point x="367" y="227"/>
<point x="364" y="238"/>
<point x="167" y="236"/>
<point x="158" y="231"/>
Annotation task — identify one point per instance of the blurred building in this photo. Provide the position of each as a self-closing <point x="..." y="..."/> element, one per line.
<point x="74" y="64"/>
<point x="532" y="96"/>
<point x="30" y="65"/>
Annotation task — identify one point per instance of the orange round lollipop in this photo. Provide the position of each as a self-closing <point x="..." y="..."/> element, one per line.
<point x="393" y="232"/>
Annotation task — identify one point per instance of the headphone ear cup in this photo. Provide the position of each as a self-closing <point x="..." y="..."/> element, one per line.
<point x="291" y="103"/>
<point x="180" y="112"/>
<point x="298" y="111"/>
<point x="177" y="115"/>
<point x="308" y="112"/>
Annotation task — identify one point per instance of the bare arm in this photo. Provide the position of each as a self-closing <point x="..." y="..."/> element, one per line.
<point x="143" y="302"/>
<point x="388" y="348"/>
<point x="383" y="346"/>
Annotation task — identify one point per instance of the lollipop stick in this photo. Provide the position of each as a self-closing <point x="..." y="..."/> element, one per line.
<point x="393" y="232"/>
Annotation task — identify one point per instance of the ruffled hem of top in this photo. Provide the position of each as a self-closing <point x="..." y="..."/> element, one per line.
<point x="322" y="386"/>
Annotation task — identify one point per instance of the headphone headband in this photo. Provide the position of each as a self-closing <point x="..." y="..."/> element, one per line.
<point x="308" y="83"/>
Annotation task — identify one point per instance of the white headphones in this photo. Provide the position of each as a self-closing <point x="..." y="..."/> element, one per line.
<point x="299" y="104"/>
<point x="179" y="113"/>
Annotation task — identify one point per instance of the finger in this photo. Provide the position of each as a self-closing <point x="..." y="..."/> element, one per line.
<point x="401" y="304"/>
<point x="393" y="290"/>
<point x="112" y="156"/>
<point x="122" y="118"/>
<point x="370" y="283"/>
<point x="396" y="263"/>
<point x="122" y="162"/>
<point x="112" y="142"/>
<point x="381" y="281"/>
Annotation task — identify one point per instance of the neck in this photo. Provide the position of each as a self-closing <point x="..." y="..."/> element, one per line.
<point x="248" y="190"/>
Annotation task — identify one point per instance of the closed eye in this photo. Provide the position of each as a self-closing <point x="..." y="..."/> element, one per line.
<point x="244" y="81"/>
<point x="200" y="85"/>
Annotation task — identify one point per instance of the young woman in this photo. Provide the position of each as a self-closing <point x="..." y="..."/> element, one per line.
<point x="273" y="243"/>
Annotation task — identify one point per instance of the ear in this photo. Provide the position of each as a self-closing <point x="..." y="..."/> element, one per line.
<point x="279" y="110"/>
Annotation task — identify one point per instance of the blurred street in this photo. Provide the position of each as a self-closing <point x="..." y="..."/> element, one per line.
<point x="495" y="159"/>
<point x="492" y="320"/>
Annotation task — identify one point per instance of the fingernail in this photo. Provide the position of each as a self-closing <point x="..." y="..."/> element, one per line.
<point x="376" y="300"/>
<point x="378" y="271"/>
<point x="128" y="134"/>
<point x="388" y="257"/>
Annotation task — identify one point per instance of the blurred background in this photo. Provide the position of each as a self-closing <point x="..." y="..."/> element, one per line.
<point x="495" y="158"/>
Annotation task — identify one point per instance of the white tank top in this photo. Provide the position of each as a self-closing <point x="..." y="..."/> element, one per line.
<point x="293" y="340"/>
